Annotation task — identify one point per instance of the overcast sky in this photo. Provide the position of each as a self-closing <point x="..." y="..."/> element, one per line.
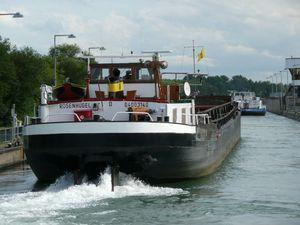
<point x="248" y="37"/>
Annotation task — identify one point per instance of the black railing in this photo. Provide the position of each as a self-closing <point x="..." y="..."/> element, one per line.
<point x="221" y="114"/>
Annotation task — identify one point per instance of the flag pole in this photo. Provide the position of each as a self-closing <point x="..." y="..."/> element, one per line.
<point x="194" y="60"/>
<point x="194" y="66"/>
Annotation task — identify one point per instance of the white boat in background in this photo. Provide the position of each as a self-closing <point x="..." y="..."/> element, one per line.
<point x="249" y="104"/>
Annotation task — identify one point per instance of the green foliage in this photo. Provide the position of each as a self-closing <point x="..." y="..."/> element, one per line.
<point x="32" y="70"/>
<point x="68" y="65"/>
<point x="22" y="71"/>
<point x="222" y="85"/>
<point x="73" y="68"/>
<point x="8" y="79"/>
<point x="65" y="50"/>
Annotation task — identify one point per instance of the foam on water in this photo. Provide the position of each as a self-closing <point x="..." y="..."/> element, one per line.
<point x="63" y="195"/>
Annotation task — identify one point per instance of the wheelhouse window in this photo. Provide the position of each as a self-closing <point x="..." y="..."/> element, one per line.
<point x="145" y="74"/>
<point x="128" y="73"/>
<point x="295" y="73"/>
<point x="99" y="73"/>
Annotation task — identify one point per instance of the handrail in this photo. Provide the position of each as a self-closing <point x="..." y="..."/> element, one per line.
<point x="56" y="114"/>
<point x="145" y="113"/>
<point x="221" y="118"/>
<point x="27" y="119"/>
<point x="197" y="115"/>
<point x="221" y="113"/>
<point x="216" y="107"/>
<point x="204" y="116"/>
<point x="6" y="133"/>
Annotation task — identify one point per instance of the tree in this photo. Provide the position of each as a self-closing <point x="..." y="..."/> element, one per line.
<point x="221" y="85"/>
<point x="8" y="79"/>
<point x="32" y="69"/>
<point x="240" y="83"/>
<point x="68" y="65"/>
<point x="65" y="50"/>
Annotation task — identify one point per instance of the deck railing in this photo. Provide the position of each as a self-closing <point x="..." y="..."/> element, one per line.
<point x="133" y="113"/>
<point x="220" y="114"/>
<point x="9" y="134"/>
<point x="30" y="120"/>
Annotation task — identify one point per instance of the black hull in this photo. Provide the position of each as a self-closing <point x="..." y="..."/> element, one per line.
<point x="163" y="156"/>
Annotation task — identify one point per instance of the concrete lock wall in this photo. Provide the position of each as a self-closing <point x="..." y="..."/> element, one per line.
<point x="273" y="105"/>
<point x="292" y="114"/>
<point x="11" y="156"/>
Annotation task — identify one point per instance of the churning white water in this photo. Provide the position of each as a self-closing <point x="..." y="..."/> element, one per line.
<point x="63" y="195"/>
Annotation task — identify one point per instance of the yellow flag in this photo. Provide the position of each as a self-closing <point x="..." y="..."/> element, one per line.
<point x="201" y="54"/>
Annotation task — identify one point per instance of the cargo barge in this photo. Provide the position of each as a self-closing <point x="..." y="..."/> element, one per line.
<point x="249" y="104"/>
<point x="130" y="120"/>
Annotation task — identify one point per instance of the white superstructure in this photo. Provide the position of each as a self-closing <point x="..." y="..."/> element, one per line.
<point x="247" y="100"/>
